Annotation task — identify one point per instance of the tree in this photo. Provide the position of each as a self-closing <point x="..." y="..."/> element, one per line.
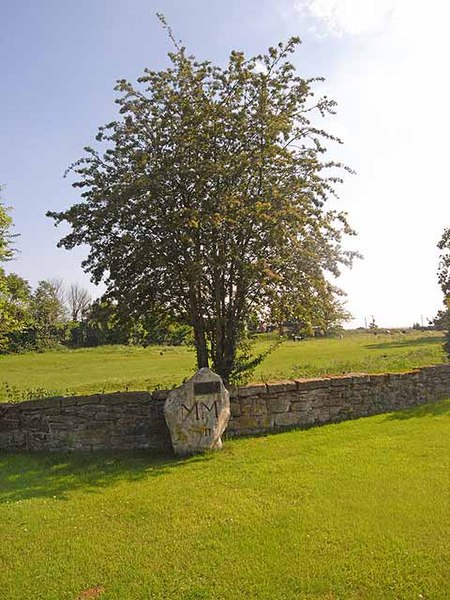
<point x="441" y="321"/>
<point x="8" y="313"/>
<point x="49" y="311"/>
<point x="79" y="300"/>
<point x="6" y="237"/>
<point x="207" y="201"/>
<point x="100" y="325"/>
<point x="444" y="282"/>
<point x="15" y="315"/>
<point x="444" y="263"/>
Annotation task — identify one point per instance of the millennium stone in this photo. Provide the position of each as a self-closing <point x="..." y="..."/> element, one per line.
<point x="197" y="413"/>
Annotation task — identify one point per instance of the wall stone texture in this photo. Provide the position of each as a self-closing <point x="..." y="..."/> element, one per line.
<point x="135" y="420"/>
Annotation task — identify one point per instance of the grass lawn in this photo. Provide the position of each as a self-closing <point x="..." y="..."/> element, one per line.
<point x="112" y="368"/>
<point x="357" y="510"/>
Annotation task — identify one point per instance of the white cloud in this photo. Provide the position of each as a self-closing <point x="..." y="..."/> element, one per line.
<point x="393" y="92"/>
<point x="355" y="17"/>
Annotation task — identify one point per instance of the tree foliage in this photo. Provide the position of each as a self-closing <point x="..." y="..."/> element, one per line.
<point x="15" y="294"/>
<point x="444" y="282"/>
<point x="444" y="263"/>
<point x="206" y="200"/>
<point x="6" y="237"/>
<point x="441" y="321"/>
<point x="8" y="308"/>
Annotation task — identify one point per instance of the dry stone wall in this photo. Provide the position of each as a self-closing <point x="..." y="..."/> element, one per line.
<point x="135" y="420"/>
<point x="124" y="420"/>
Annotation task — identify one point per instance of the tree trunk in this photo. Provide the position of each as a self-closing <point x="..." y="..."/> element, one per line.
<point x="201" y="346"/>
<point x="225" y="355"/>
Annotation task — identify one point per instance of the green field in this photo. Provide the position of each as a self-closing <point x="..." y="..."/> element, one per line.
<point x="358" y="510"/>
<point x="113" y="368"/>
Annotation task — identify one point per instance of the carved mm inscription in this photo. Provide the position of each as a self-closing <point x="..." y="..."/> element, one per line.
<point x="198" y="410"/>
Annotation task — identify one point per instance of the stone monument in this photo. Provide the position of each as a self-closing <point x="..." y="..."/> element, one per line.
<point x="197" y="413"/>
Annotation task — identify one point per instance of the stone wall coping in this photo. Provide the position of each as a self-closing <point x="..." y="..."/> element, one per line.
<point x="281" y="386"/>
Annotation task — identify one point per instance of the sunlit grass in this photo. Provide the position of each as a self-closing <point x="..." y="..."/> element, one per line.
<point x="359" y="510"/>
<point x="112" y="368"/>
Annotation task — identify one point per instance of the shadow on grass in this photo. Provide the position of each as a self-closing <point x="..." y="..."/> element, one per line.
<point x="43" y="475"/>
<point x="430" y="409"/>
<point x="407" y="343"/>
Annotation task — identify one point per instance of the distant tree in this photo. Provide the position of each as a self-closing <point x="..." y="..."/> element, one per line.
<point x="8" y="315"/>
<point x="19" y="288"/>
<point x="15" y="310"/>
<point x="444" y="282"/>
<point x="49" y="311"/>
<point x="208" y="200"/>
<point x="78" y="300"/>
<point x="6" y="235"/>
<point x="58" y="290"/>
<point x="441" y="321"/>
<point x="103" y="323"/>
<point x="372" y="325"/>
<point x="444" y="262"/>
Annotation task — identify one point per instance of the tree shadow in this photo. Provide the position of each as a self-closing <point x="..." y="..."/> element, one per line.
<point x="430" y="409"/>
<point x="406" y="343"/>
<point x="49" y="475"/>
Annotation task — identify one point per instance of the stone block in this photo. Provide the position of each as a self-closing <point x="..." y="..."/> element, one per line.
<point x="317" y="396"/>
<point x="7" y="424"/>
<point x="69" y="401"/>
<point x="279" y="404"/>
<point x="246" y="425"/>
<point x="197" y="413"/>
<point x="235" y="409"/>
<point x="104" y="415"/>
<point x="300" y="406"/>
<point x="36" y="440"/>
<point x="94" y="425"/>
<point x="89" y="400"/>
<point x="360" y="379"/>
<point x="62" y="424"/>
<point x="41" y="404"/>
<point x="256" y="389"/>
<point x="253" y="406"/>
<point x="34" y="423"/>
<point x="19" y="440"/>
<point x="378" y="378"/>
<point x="258" y="408"/>
<point x="312" y="384"/>
<point x="290" y="419"/>
<point x="7" y="440"/>
<point x="160" y="395"/>
<point x="341" y="381"/>
<point x="281" y="386"/>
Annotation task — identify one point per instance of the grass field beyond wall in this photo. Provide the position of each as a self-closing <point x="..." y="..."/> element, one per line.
<point x="355" y="511"/>
<point x="114" y="368"/>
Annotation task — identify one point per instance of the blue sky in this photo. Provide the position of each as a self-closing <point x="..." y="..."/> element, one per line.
<point x="384" y="63"/>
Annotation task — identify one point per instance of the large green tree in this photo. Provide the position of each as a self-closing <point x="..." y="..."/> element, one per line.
<point x="207" y="199"/>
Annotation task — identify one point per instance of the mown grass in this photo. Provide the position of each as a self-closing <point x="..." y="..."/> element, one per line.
<point x="113" y="368"/>
<point x="358" y="510"/>
<point x="363" y="353"/>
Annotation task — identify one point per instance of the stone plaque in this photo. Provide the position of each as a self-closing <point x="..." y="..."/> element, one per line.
<point x="206" y="387"/>
<point x="197" y="413"/>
